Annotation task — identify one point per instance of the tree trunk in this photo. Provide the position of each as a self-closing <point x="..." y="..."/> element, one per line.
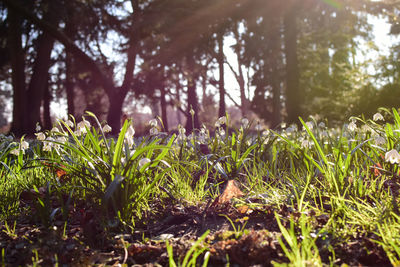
<point x="274" y="73"/>
<point x="163" y="102"/>
<point x="69" y="85"/>
<point x="244" y="102"/>
<point x="39" y="79"/>
<point x="294" y="97"/>
<point x="18" y="72"/>
<point x="46" y="108"/>
<point x="221" y="82"/>
<point x="115" y="110"/>
<point x="192" y="122"/>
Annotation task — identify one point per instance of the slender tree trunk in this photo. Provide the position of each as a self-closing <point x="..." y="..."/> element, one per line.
<point x="294" y="97"/>
<point x="46" y="108"/>
<point x="69" y="85"/>
<point x="163" y="102"/>
<point x="244" y="102"/>
<point x="275" y="73"/>
<point x="18" y="71"/>
<point x="221" y="82"/>
<point x="178" y="99"/>
<point x="192" y="102"/>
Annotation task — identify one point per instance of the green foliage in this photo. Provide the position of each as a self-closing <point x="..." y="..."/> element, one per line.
<point x="346" y="176"/>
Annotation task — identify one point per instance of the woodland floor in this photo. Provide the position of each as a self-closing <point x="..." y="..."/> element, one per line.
<point x="84" y="243"/>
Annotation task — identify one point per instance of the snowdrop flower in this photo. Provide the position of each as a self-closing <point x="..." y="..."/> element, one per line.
<point x="130" y="132"/>
<point x="366" y="128"/>
<point x="291" y="129"/>
<point x="69" y="123"/>
<point x="221" y="132"/>
<point x="380" y="140"/>
<point x="220" y="121"/>
<point x="23" y="145"/>
<point x="143" y="162"/>
<point x="129" y="141"/>
<point x="40" y="136"/>
<point x="310" y="125"/>
<point x="352" y="126"/>
<point x="61" y="139"/>
<point x="55" y="130"/>
<point x="38" y="128"/>
<point x="265" y="133"/>
<point x="47" y="145"/>
<point x="392" y="156"/>
<point x="324" y="134"/>
<point x="305" y="143"/>
<point x="154" y="131"/>
<point x="82" y="125"/>
<point x="245" y="122"/>
<point x="378" y="117"/>
<point x="258" y="127"/>
<point x="321" y="124"/>
<point x="181" y="130"/>
<point x="107" y="128"/>
<point x="153" y="123"/>
<point x="15" y="151"/>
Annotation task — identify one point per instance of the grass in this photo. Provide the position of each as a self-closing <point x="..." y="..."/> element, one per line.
<point x="311" y="196"/>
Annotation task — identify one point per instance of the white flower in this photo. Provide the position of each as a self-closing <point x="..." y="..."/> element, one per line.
<point x="305" y="143"/>
<point x="40" y="136"/>
<point x="153" y="131"/>
<point x="392" y="156"/>
<point x="24" y="145"/>
<point x="245" y="122"/>
<point x="130" y="132"/>
<point x="69" y="123"/>
<point x="258" y="127"/>
<point x="107" y="128"/>
<point x="310" y="125"/>
<point x="221" y="132"/>
<point x="265" y="133"/>
<point x="129" y="140"/>
<point x="15" y="151"/>
<point x="181" y="130"/>
<point x="380" y="140"/>
<point x="222" y="120"/>
<point x="352" y="126"/>
<point x="38" y="128"/>
<point x="47" y="145"/>
<point x="61" y="139"/>
<point x="153" y="123"/>
<point x="291" y="129"/>
<point x="321" y="124"/>
<point x="55" y="130"/>
<point x="378" y="117"/>
<point x="82" y="125"/>
<point x="366" y="128"/>
<point x="143" y="162"/>
<point x="324" y="134"/>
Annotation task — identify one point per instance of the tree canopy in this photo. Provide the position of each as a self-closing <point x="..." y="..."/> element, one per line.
<point x="292" y="58"/>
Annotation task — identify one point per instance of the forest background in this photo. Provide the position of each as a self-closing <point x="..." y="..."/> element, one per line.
<point x="272" y="60"/>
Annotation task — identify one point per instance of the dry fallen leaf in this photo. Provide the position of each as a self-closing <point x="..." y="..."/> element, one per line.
<point x="231" y="190"/>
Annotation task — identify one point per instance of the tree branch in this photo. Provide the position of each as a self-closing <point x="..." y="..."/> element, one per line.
<point x="106" y="82"/>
